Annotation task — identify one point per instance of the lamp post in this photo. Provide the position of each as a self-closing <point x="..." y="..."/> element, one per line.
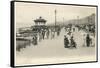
<point x="63" y="22"/>
<point x="77" y="19"/>
<point x="55" y="19"/>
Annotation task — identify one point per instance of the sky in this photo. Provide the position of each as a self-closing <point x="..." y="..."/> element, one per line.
<point x="26" y="13"/>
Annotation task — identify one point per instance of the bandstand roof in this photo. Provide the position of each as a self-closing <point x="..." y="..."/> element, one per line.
<point x="40" y="19"/>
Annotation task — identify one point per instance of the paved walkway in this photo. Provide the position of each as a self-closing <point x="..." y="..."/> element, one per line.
<point x="54" y="51"/>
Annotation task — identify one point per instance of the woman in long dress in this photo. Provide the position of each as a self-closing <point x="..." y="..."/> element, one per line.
<point x="66" y="42"/>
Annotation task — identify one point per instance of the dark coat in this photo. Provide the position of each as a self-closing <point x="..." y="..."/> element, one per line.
<point x="66" y="42"/>
<point x="88" y="40"/>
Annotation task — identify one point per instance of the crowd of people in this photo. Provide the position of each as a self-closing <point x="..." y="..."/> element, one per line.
<point x="88" y="37"/>
<point x="48" y="33"/>
<point x="69" y="38"/>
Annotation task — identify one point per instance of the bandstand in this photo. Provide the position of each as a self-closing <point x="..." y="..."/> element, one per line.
<point x="40" y="23"/>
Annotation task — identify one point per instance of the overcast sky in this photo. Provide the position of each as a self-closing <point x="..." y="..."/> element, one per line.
<point x="25" y="13"/>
